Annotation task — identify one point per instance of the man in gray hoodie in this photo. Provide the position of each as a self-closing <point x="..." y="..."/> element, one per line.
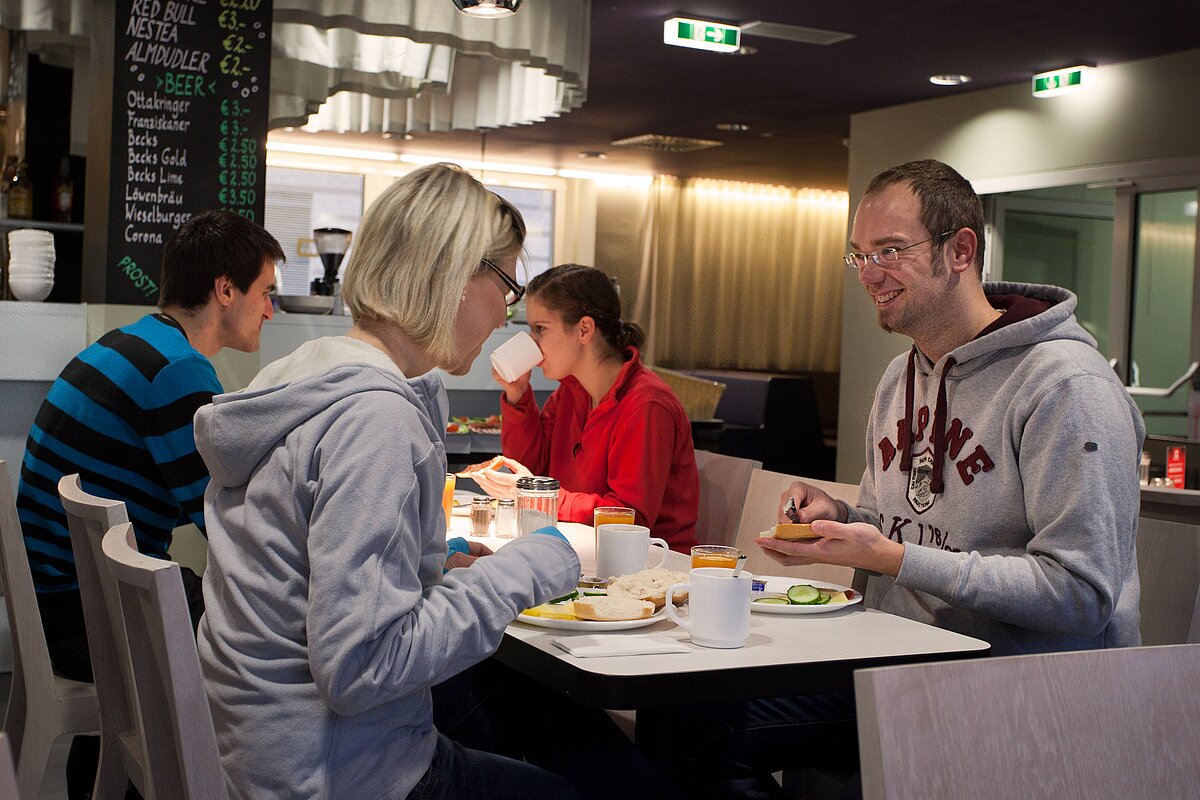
<point x="1000" y="497"/>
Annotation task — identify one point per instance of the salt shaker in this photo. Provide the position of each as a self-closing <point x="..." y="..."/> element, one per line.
<point x="537" y="503"/>
<point x="506" y="518"/>
<point x="481" y="515"/>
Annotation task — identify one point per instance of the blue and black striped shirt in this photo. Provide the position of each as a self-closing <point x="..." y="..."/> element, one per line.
<point x="120" y="415"/>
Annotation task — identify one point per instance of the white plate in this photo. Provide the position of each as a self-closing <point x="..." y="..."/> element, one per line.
<point x="462" y="502"/>
<point x="592" y="625"/>
<point x="778" y="585"/>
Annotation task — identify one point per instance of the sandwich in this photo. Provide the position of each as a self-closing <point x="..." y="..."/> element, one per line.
<point x="649" y="584"/>
<point x="612" y="609"/>
<point x="790" y="532"/>
<point x="474" y="469"/>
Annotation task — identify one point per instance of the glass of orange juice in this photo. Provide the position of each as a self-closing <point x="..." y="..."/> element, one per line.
<point x="448" y="496"/>
<point x="715" y="555"/>
<point x="610" y="515"/>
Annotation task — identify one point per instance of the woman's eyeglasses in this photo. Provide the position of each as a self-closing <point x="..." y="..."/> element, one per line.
<point x="515" y="290"/>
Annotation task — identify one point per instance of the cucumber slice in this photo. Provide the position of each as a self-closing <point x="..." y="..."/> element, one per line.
<point x="595" y="593"/>
<point x="563" y="599"/>
<point x="803" y="595"/>
<point x="774" y="601"/>
<point x="822" y="599"/>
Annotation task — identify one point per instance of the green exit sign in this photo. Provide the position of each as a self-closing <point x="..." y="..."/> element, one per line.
<point x="1061" y="81"/>
<point x="702" y="35"/>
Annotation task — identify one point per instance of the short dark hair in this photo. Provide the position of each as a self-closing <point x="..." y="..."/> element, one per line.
<point x="948" y="203"/>
<point x="208" y="246"/>
<point x="575" y="291"/>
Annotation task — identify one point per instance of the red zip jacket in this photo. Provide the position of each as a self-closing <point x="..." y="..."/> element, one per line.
<point x="633" y="449"/>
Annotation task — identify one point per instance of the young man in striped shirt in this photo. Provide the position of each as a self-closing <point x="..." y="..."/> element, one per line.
<point x="120" y="415"/>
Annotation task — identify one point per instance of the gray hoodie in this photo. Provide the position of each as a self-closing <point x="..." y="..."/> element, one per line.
<point x="1018" y="525"/>
<point x="328" y="618"/>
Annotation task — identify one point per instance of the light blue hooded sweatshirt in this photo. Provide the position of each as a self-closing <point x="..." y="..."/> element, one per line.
<point x="328" y="617"/>
<point x="1016" y="493"/>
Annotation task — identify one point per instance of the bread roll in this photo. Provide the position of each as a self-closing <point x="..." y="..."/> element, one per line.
<point x="649" y="584"/>
<point x="791" y="531"/>
<point x="611" y="609"/>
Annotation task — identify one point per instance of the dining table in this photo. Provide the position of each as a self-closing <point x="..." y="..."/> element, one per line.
<point x="784" y="654"/>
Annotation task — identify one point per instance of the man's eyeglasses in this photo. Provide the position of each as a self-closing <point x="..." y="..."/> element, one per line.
<point x="885" y="256"/>
<point x="515" y="290"/>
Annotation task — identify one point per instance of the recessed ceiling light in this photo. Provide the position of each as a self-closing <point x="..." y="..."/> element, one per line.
<point x="488" y="8"/>
<point x="593" y="154"/>
<point x="744" y="50"/>
<point x="733" y="126"/>
<point x="949" y="80"/>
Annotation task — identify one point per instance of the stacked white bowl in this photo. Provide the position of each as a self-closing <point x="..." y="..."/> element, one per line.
<point x="30" y="264"/>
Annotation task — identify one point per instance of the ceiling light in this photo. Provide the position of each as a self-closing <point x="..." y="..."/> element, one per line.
<point x="593" y="154"/>
<point x="487" y="9"/>
<point x="482" y="166"/>
<point x="1062" y="81"/>
<point x="702" y="34"/>
<point x="949" y="79"/>
<point x="739" y="127"/>
<point x="334" y="152"/>
<point x="744" y="50"/>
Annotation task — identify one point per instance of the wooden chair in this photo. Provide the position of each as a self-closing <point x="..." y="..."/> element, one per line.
<point x="1168" y="556"/>
<point x="1096" y="723"/>
<point x="8" y="775"/>
<point x="724" y="481"/>
<point x="121" y="743"/>
<point x="180" y="744"/>
<point x="758" y="514"/>
<point x="41" y="705"/>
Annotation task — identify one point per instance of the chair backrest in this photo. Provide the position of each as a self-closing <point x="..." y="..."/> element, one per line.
<point x="31" y="657"/>
<point x="181" y="745"/>
<point x="1095" y="723"/>
<point x="758" y="514"/>
<point x="1168" y="555"/>
<point x="724" y="481"/>
<point x="8" y="772"/>
<point x="89" y="518"/>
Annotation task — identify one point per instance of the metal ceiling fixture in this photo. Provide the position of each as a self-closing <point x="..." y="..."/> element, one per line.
<point x="665" y="143"/>
<point x="487" y="8"/>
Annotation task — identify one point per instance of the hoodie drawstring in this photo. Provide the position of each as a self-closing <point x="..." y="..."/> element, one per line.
<point x="937" y="486"/>
<point x="906" y="437"/>
<point x="937" y="436"/>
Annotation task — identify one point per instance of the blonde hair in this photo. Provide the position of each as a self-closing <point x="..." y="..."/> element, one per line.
<point x="417" y="246"/>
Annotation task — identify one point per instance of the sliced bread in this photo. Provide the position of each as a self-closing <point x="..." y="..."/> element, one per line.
<point x="609" y="609"/>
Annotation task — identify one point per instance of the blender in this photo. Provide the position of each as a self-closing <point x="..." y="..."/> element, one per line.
<point x="331" y="247"/>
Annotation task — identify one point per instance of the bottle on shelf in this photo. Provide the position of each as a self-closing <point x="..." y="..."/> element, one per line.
<point x="64" y="191"/>
<point x="10" y="169"/>
<point x="20" y="194"/>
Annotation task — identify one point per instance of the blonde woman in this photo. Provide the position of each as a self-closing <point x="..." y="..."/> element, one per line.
<point x="329" y="618"/>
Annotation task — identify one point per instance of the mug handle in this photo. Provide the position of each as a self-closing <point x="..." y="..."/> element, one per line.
<point x="662" y="556"/>
<point x="678" y="620"/>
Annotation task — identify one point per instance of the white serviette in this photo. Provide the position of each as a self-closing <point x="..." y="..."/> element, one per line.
<point x="610" y="645"/>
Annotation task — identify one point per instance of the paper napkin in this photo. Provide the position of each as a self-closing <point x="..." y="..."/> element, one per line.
<point x="609" y="645"/>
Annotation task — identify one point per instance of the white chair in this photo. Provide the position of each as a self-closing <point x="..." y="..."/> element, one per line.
<point x="1096" y="723"/>
<point x="42" y="706"/>
<point x="8" y="775"/>
<point x="758" y="514"/>
<point x="121" y="747"/>
<point x="1168" y="556"/>
<point x="181" y="746"/>
<point x="724" y="481"/>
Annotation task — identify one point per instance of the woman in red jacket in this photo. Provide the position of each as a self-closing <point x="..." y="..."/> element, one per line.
<point x="613" y="433"/>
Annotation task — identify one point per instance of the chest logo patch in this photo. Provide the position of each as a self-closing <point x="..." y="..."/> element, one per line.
<point x="920" y="496"/>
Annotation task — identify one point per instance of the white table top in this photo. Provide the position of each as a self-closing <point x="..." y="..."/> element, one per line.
<point x="784" y="654"/>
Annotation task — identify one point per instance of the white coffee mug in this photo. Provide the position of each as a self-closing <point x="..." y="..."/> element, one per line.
<point x="516" y="357"/>
<point x="623" y="549"/>
<point x="719" y="607"/>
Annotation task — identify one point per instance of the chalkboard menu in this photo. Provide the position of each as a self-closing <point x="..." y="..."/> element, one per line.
<point x="189" y="127"/>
